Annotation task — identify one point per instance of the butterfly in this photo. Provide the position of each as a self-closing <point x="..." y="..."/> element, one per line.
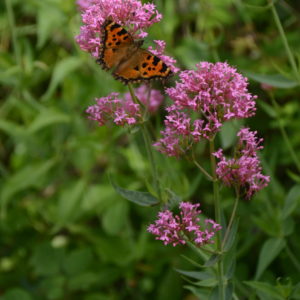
<point x="130" y="63"/>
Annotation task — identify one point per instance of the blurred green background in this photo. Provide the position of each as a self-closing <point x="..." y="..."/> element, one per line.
<point x="64" y="231"/>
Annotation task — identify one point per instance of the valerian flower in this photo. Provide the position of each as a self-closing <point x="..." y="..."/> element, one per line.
<point x="121" y="110"/>
<point x="203" y="100"/>
<point x="177" y="229"/>
<point x="244" y="170"/>
<point x="132" y="14"/>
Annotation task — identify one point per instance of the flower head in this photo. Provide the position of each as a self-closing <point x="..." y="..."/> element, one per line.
<point x="122" y="110"/>
<point x="244" y="170"/>
<point x="132" y="14"/>
<point x="177" y="229"/>
<point x="203" y="100"/>
<point x="112" y="108"/>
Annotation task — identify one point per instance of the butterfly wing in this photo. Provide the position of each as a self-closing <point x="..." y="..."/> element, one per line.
<point x="116" y="43"/>
<point x="142" y="65"/>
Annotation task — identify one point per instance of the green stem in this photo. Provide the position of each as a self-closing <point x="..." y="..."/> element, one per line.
<point x="284" y="40"/>
<point x="147" y="141"/>
<point x="233" y="213"/>
<point x="218" y="219"/>
<point x="283" y="132"/>
<point x="209" y="177"/>
<point x="202" y="170"/>
<point x="12" y="25"/>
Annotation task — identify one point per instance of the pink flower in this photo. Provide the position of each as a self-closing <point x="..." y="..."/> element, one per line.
<point x="132" y="14"/>
<point x="122" y="110"/>
<point x="244" y="170"/>
<point x="203" y="100"/>
<point x="177" y="229"/>
<point x="151" y="98"/>
<point x="112" y="108"/>
<point x="84" y="4"/>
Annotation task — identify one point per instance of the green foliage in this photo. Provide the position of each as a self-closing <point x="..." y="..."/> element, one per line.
<point x="66" y="232"/>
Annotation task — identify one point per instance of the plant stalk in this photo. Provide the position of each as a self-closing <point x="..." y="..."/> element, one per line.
<point x="147" y="141"/>
<point x="233" y="214"/>
<point x="284" y="40"/>
<point x="218" y="219"/>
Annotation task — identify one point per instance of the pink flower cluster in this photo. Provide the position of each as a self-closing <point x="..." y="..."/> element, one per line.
<point x="177" y="229"/>
<point x="122" y="110"/>
<point x="203" y="100"/>
<point x="130" y="13"/>
<point x="244" y="170"/>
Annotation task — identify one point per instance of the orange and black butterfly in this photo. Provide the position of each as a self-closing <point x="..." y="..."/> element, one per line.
<point x="130" y="63"/>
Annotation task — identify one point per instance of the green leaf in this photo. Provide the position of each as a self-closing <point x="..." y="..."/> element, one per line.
<point x="62" y="69"/>
<point x="115" y="217"/>
<point x="47" y="117"/>
<point x="27" y="177"/>
<point x="12" y="129"/>
<point x="271" y="248"/>
<point x="276" y="80"/>
<point x="228" y="134"/>
<point x="47" y="260"/>
<point x="210" y="282"/>
<point x="54" y="286"/>
<point x="195" y="274"/>
<point x="229" y="291"/>
<point x="16" y="294"/>
<point x="49" y="18"/>
<point x="266" y="289"/>
<point x="78" y="261"/>
<point x="84" y="281"/>
<point x="140" y="198"/>
<point x="293" y="176"/>
<point x="212" y="260"/>
<point x="69" y="202"/>
<point x="291" y="201"/>
<point x="174" y="199"/>
<point x="200" y="293"/>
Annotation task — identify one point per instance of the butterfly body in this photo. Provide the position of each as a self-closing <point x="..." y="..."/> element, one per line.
<point x="129" y="62"/>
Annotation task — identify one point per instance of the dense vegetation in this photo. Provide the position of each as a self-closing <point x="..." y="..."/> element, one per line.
<point x="65" y="233"/>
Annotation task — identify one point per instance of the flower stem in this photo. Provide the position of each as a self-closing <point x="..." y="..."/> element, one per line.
<point x="233" y="213"/>
<point x="283" y="132"/>
<point x="284" y="40"/>
<point x="147" y="141"/>
<point x="218" y="219"/>
<point x="209" y="177"/>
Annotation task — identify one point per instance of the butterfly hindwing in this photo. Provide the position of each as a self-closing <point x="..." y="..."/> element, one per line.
<point x="116" y="44"/>
<point x="130" y="63"/>
<point x="115" y="36"/>
<point x="143" y="65"/>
